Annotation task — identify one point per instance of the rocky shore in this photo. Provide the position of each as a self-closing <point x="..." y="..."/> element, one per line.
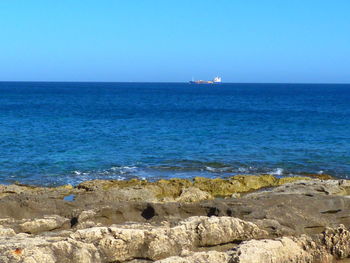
<point x="236" y="220"/>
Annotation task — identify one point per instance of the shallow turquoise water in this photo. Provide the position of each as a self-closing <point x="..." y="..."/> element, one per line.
<point x="56" y="133"/>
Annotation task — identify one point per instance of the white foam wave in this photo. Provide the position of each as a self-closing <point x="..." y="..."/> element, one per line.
<point x="277" y="171"/>
<point x="217" y="170"/>
<point x="210" y="169"/>
<point x="123" y="169"/>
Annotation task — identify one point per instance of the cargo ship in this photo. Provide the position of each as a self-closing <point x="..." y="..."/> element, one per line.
<point x="214" y="81"/>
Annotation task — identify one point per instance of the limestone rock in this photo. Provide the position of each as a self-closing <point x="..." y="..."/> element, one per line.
<point x="310" y="187"/>
<point x="6" y="232"/>
<point x="337" y="241"/>
<point x="110" y="221"/>
<point x="21" y="248"/>
<point x="219" y="230"/>
<point x="75" y="252"/>
<point x="86" y="215"/>
<point x="199" y="257"/>
<point x="49" y="250"/>
<point x="121" y="244"/>
<point x="43" y="224"/>
<point x="102" y="185"/>
<point x="135" y="194"/>
<point x="166" y="243"/>
<point x="282" y="250"/>
<point x="193" y="194"/>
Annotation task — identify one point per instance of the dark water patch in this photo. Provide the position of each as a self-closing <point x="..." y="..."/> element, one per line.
<point x="69" y="198"/>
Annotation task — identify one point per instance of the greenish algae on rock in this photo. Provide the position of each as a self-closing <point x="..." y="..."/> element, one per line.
<point x="169" y="188"/>
<point x="172" y="188"/>
<point x="161" y="190"/>
<point x="241" y="184"/>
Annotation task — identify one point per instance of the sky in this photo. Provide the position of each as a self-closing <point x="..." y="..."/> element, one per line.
<point x="294" y="41"/>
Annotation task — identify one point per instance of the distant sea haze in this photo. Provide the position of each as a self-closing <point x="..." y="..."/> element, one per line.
<point x="59" y="133"/>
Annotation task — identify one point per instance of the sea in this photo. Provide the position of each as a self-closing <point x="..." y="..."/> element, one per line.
<point x="55" y="133"/>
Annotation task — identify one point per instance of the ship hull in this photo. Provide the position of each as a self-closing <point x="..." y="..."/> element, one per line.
<point x="201" y="82"/>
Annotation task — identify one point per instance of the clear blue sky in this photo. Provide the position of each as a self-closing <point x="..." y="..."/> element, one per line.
<point x="173" y="40"/>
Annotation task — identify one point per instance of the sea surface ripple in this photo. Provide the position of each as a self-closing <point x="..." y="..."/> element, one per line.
<point x="58" y="133"/>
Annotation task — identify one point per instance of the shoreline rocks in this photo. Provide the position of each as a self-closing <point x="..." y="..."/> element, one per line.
<point x="235" y="220"/>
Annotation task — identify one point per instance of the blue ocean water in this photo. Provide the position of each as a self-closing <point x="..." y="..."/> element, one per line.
<point x="58" y="133"/>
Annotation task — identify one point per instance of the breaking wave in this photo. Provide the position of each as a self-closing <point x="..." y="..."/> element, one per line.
<point x="183" y="169"/>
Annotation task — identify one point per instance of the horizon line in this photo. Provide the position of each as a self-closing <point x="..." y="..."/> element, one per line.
<point x="171" y="82"/>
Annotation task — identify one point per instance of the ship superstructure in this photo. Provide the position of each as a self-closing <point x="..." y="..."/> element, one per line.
<point x="217" y="80"/>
